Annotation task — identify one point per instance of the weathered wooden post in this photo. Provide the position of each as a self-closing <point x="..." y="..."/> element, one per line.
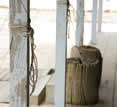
<point x="19" y="53"/>
<point x="94" y="17"/>
<point x="61" y="44"/>
<point x="100" y="13"/>
<point x="79" y="23"/>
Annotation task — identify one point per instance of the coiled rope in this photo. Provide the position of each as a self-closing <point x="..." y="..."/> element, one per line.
<point x="33" y="67"/>
<point x="33" y="70"/>
<point x="69" y="18"/>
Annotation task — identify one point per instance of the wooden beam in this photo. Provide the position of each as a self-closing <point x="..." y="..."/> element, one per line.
<point x="61" y="44"/>
<point x="18" y="53"/>
<point x="79" y="23"/>
<point x="100" y="13"/>
<point x="94" y="17"/>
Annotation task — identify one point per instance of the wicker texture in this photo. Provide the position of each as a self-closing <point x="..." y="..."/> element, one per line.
<point x="83" y="77"/>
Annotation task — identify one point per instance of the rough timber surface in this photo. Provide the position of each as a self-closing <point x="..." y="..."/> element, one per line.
<point x="61" y="52"/>
<point x="18" y="53"/>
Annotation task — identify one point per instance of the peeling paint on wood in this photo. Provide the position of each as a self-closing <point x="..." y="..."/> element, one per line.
<point x="61" y="44"/>
<point x="18" y="54"/>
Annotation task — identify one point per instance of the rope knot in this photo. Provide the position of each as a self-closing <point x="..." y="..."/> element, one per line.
<point x="29" y="33"/>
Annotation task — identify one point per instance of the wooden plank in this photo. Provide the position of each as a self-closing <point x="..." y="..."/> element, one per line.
<point x="80" y="23"/>
<point x="94" y="17"/>
<point x="100" y="13"/>
<point x="18" y="53"/>
<point x="38" y="95"/>
<point x="42" y="81"/>
<point x="61" y="43"/>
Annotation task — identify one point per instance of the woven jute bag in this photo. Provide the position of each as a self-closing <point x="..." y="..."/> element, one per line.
<point x="83" y="75"/>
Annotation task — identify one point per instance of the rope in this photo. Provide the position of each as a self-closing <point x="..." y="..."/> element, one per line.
<point x="33" y="69"/>
<point x="14" y="26"/>
<point x="69" y="18"/>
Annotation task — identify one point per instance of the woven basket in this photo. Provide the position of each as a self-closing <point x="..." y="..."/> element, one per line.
<point x="83" y="77"/>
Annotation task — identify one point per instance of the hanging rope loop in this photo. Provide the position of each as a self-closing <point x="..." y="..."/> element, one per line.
<point x="33" y="69"/>
<point x="28" y="32"/>
<point x="69" y="18"/>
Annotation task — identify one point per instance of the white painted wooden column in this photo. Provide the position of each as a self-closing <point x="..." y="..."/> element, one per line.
<point x="18" y="53"/>
<point x="61" y="52"/>
<point x="94" y="17"/>
<point x="79" y="23"/>
<point x="100" y="13"/>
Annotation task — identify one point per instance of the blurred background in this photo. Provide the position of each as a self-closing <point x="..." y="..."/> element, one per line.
<point x="43" y="20"/>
